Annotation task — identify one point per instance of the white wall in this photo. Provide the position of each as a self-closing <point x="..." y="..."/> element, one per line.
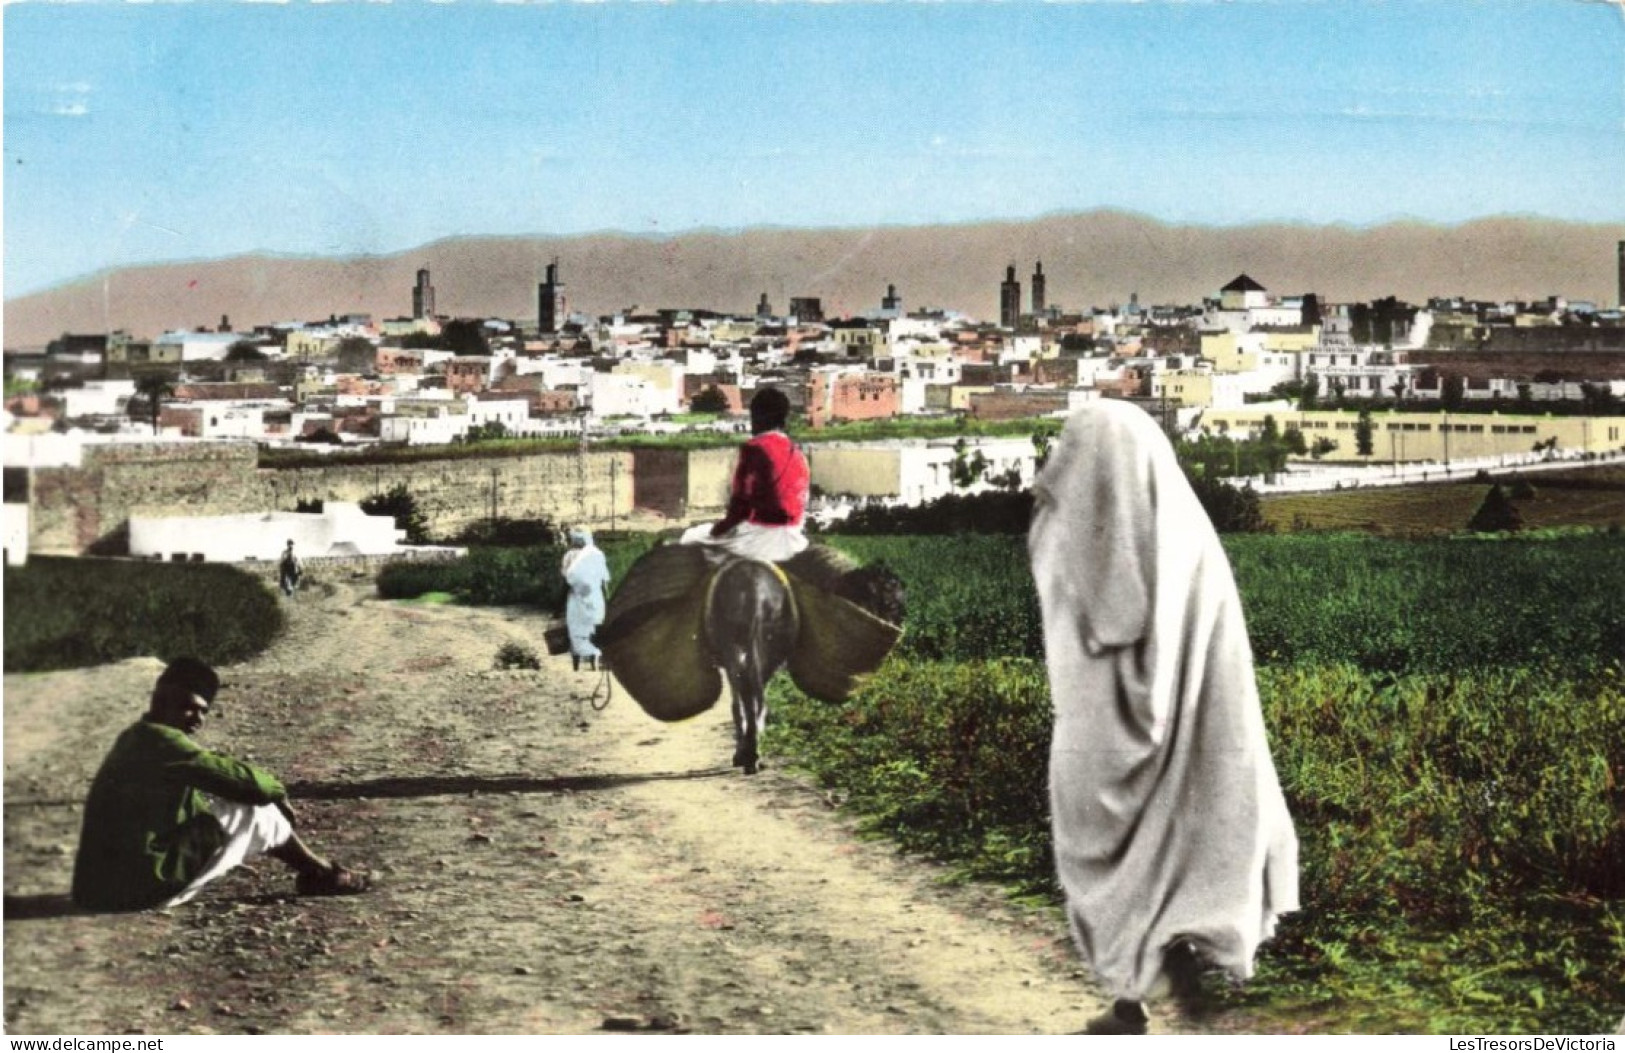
<point x="340" y="528"/>
<point x="14" y="529"/>
<point x="97" y="398"/>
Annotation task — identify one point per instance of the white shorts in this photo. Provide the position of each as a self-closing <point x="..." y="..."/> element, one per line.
<point x="752" y="540"/>
<point x="251" y="830"/>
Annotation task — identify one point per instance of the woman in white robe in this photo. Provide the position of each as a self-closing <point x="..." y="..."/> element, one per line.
<point x="586" y="574"/>
<point x="1172" y="839"/>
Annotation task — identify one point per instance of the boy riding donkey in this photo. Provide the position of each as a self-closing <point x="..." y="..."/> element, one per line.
<point x="667" y="628"/>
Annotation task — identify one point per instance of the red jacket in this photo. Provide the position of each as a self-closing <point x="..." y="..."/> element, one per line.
<point x="769" y="486"/>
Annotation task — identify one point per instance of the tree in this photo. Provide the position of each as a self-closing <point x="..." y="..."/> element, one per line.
<point x="464" y="336"/>
<point x="356" y="354"/>
<point x="1452" y="392"/>
<point x="487" y="432"/>
<point x="1310" y="394"/>
<point x="1598" y="399"/>
<point x="1496" y="514"/>
<point x="399" y="502"/>
<point x="1364" y="434"/>
<point x="1042" y="441"/>
<point x="710" y="400"/>
<point x="1322" y="447"/>
<point x="1233" y="510"/>
<point x="153" y="389"/>
<point x="968" y="467"/>
<point x="1295" y="442"/>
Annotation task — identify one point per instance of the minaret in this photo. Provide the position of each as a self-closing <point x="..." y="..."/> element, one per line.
<point x="1622" y="275"/>
<point x="763" y="308"/>
<point x="891" y="301"/>
<point x="1009" y="299"/>
<point x="423" y="296"/>
<point x="1038" y="289"/>
<point x="550" y="312"/>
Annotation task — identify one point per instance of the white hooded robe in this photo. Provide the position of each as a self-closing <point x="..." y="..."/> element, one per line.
<point x="1168" y="818"/>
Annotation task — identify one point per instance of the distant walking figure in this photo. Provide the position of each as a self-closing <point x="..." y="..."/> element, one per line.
<point x="289" y="571"/>
<point x="1172" y="838"/>
<point x="586" y="573"/>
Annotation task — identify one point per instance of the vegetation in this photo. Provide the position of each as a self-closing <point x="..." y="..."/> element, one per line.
<point x="399" y="502"/>
<point x="151" y="390"/>
<point x="709" y="400"/>
<point x="1008" y="510"/>
<point x="65" y="613"/>
<point x="509" y="576"/>
<point x="1497" y="514"/>
<point x="1588" y="497"/>
<point x="245" y="351"/>
<point x="513" y="655"/>
<point x="355" y="354"/>
<point x="1448" y="720"/>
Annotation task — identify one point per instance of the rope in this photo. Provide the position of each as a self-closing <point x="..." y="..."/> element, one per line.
<point x="606" y="684"/>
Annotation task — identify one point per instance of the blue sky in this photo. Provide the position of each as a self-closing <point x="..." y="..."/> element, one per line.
<point x="167" y="131"/>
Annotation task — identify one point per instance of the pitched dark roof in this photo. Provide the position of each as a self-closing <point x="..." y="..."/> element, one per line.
<point x="1242" y="283"/>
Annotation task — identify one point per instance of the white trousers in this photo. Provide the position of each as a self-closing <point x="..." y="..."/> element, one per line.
<point x="251" y="830"/>
<point x="752" y="540"/>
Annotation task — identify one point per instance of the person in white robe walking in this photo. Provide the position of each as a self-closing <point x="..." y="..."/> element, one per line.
<point x="1172" y="839"/>
<point x="586" y="575"/>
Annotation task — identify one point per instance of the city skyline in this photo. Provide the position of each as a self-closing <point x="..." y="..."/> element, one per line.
<point x="148" y="133"/>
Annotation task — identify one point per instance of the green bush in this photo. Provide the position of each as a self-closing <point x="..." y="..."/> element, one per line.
<point x="517" y="656"/>
<point x="65" y="613"/>
<point x="504" y="576"/>
<point x="949" y="758"/>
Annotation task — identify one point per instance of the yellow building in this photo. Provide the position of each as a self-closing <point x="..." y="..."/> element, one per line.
<point x="1198" y="388"/>
<point x="1292" y="340"/>
<point x="304" y="345"/>
<point x="1430" y="436"/>
<point x="959" y="395"/>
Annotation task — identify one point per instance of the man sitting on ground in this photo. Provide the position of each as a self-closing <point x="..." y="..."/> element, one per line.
<point x="165" y="816"/>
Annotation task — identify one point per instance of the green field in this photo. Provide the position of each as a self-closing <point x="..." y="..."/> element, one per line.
<point x="1448" y="719"/>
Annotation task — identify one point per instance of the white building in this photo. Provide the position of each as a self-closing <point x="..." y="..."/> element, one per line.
<point x="97" y="398"/>
<point x="629" y="395"/>
<point x="340" y="529"/>
<point x="914" y="471"/>
<point x="14" y="528"/>
<point x="188" y="346"/>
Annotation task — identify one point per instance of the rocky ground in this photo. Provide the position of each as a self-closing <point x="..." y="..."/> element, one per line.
<point x="540" y="866"/>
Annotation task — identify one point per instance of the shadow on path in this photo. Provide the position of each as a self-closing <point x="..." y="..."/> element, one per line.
<point x="41" y="906"/>
<point x="461" y="785"/>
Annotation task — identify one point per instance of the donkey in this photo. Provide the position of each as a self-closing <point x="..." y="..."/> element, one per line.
<point x="751" y="625"/>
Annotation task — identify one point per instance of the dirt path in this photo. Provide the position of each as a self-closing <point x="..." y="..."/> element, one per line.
<point x="541" y="867"/>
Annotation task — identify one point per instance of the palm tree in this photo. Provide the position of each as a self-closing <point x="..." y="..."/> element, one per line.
<point x="154" y="388"/>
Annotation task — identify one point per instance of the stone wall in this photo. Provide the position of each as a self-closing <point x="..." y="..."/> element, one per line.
<point x="86" y="509"/>
<point x="319" y="569"/>
<point x="595" y="489"/>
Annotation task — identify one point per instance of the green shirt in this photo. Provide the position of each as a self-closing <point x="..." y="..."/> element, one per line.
<point x="148" y="830"/>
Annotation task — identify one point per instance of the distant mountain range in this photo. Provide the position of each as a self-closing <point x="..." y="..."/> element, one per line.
<point x="1089" y="259"/>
